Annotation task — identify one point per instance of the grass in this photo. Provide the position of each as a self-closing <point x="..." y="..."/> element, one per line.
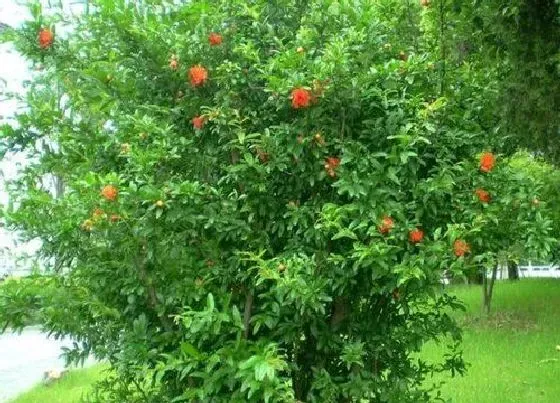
<point x="70" y="389"/>
<point x="512" y="353"/>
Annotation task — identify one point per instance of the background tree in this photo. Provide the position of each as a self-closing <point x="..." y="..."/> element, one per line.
<point x="260" y="198"/>
<point x="516" y="41"/>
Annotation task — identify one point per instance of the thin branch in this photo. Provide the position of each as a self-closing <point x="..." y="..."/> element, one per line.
<point x="342" y="128"/>
<point x="247" y="313"/>
<point x="152" y="295"/>
<point x="144" y="395"/>
<point x="442" y="45"/>
<point x="484" y="289"/>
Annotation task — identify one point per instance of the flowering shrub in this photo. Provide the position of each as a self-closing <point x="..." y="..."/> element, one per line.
<point x="288" y="248"/>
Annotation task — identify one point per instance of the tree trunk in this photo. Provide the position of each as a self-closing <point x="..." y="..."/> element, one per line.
<point x="488" y="289"/>
<point x="513" y="271"/>
<point x="305" y="360"/>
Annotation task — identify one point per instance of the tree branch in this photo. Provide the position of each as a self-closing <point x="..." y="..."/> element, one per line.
<point x="340" y="311"/>
<point x="491" y="286"/>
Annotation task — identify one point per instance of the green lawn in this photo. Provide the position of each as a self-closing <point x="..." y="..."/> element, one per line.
<point x="69" y="389"/>
<point x="513" y="353"/>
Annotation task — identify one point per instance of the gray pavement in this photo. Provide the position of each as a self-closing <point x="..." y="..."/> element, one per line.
<point x="24" y="358"/>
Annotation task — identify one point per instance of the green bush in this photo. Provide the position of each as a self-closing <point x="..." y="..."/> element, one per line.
<point x="260" y="197"/>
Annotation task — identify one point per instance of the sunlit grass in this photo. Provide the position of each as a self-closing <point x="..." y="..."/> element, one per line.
<point x="70" y="389"/>
<point x="513" y="352"/>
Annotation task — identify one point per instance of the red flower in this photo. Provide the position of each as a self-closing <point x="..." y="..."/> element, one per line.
<point x="215" y="39"/>
<point x="483" y="195"/>
<point x="301" y="98"/>
<point x="110" y="192"/>
<point x="46" y="38"/>
<point x="487" y="161"/>
<point x="386" y="225"/>
<point x="416" y="235"/>
<point x="331" y="163"/>
<point x="461" y="247"/>
<point x="198" y="75"/>
<point x="198" y="122"/>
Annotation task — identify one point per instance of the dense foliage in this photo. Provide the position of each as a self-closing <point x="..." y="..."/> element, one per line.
<point x="260" y="198"/>
<point x="517" y="43"/>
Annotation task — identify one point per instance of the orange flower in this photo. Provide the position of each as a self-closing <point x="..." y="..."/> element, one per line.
<point x="110" y="192"/>
<point x="331" y="163"/>
<point x="198" y="75"/>
<point x="301" y="98"/>
<point x="115" y="217"/>
<point x="198" y="122"/>
<point x="386" y="225"/>
<point x="46" y="38"/>
<point x="483" y="195"/>
<point x="461" y="247"/>
<point x="487" y="161"/>
<point x="174" y="63"/>
<point x="416" y="235"/>
<point x="215" y="39"/>
<point x="396" y="294"/>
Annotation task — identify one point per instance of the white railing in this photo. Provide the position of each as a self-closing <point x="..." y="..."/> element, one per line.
<point x="529" y="270"/>
<point x="551" y="271"/>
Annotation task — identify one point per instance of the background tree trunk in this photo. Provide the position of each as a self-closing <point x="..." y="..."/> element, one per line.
<point x="513" y="271"/>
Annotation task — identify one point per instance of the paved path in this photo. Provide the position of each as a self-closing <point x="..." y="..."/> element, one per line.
<point x="24" y="358"/>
